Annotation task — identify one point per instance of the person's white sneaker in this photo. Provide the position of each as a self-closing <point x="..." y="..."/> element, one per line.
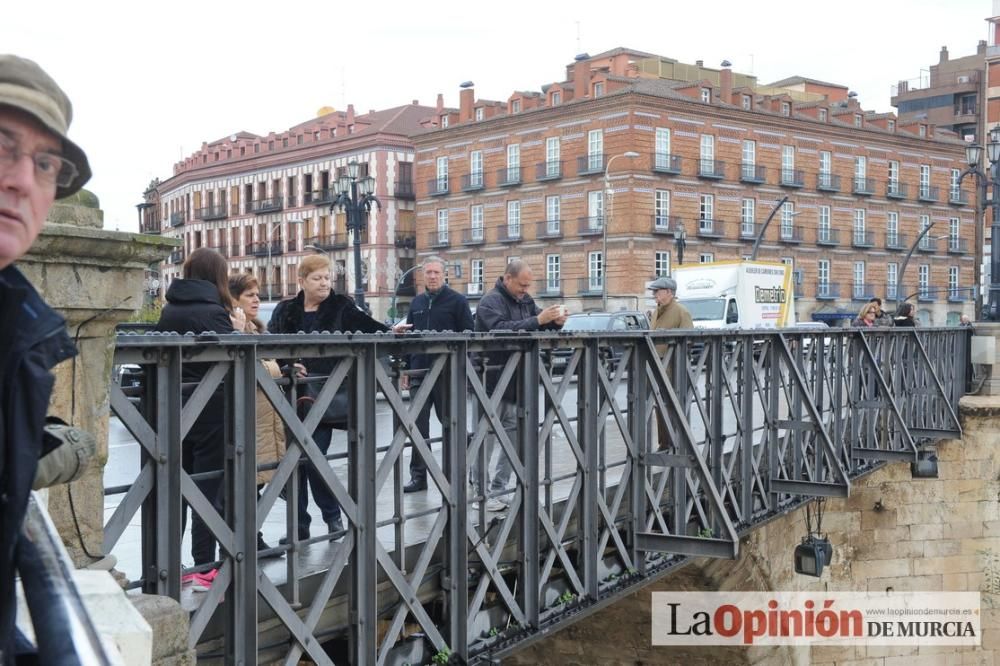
<point x="496" y="504"/>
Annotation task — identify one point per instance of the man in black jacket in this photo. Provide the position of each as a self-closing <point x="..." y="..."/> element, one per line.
<point x="439" y="308"/>
<point x="38" y="164"/>
<point x="508" y="307"/>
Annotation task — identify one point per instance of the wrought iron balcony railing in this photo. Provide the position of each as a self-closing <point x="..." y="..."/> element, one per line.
<point x="209" y="213"/>
<point x="753" y="173"/>
<point x="827" y="236"/>
<point x="549" y="229"/>
<point x="272" y="205"/>
<point x="827" y="182"/>
<point x="549" y="170"/>
<point x="591" y="226"/>
<point x="667" y="163"/>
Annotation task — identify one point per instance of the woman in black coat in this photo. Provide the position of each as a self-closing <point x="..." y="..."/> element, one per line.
<point x="317" y="308"/>
<point x="200" y="303"/>
<point x="904" y="316"/>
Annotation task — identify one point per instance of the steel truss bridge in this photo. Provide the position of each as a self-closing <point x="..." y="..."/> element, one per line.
<point x="759" y="423"/>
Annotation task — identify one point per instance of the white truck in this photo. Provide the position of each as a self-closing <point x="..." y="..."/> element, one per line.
<point x="737" y="294"/>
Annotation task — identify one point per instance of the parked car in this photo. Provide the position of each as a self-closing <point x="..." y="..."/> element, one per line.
<point x="624" y="320"/>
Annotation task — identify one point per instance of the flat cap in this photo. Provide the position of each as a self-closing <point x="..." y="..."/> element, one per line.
<point x="663" y="283"/>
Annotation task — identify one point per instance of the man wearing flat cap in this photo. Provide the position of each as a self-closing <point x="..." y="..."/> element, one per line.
<point x="669" y="314"/>
<point x="38" y="164"/>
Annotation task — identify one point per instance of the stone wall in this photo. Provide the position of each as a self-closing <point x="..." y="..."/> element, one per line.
<point x="892" y="532"/>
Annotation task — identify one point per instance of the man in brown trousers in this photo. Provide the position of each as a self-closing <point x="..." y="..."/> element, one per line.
<point x="669" y="314"/>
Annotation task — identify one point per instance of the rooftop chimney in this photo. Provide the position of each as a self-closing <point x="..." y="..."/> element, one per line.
<point x="981" y="47"/>
<point x="726" y="82"/>
<point x="350" y="114"/>
<point x="581" y="77"/>
<point x="466" y="101"/>
<point x="415" y="102"/>
<point x="440" y="103"/>
<point x="700" y="63"/>
<point x="944" y="54"/>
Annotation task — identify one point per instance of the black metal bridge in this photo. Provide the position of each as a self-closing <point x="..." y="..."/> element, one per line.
<point x="759" y="422"/>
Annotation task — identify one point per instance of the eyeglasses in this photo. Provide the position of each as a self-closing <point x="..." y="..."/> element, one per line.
<point x="50" y="169"/>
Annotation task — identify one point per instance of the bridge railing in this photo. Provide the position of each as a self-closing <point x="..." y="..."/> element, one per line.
<point x="756" y="423"/>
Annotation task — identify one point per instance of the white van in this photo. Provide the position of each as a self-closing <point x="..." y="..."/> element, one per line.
<point x="737" y="294"/>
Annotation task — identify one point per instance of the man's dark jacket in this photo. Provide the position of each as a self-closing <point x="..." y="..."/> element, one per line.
<point x="336" y="313"/>
<point x="33" y="339"/>
<point x="194" y="306"/>
<point x="446" y="310"/>
<point x="499" y="311"/>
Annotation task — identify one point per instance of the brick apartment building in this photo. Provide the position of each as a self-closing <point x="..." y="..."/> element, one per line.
<point x="716" y="152"/>
<point x="264" y="201"/>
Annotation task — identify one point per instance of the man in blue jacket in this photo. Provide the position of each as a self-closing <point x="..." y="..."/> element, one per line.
<point x="508" y="307"/>
<point x="439" y="308"/>
<point x="38" y="164"/>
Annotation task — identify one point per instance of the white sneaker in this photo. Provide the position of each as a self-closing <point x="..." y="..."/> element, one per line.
<point x="495" y="504"/>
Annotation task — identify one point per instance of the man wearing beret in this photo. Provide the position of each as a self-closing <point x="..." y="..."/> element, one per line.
<point x="38" y="164"/>
<point x="669" y="314"/>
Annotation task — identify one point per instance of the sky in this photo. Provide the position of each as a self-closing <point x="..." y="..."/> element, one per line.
<point x="150" y="82"/>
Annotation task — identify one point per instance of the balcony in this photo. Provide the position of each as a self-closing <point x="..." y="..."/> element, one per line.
<point x="865" y="186"/>
<point x="712" y="169"/>
<point x="927" y="244"/>
<point x="827" y="292"/>
<point x="862" y="239"/>
<point x="290" y="201"/>
<point x="150" y="227"/>
<point x="748" y="231"/>
<point x="827" y="182"/>
<point x="474" y="289"/>
<point x="927" y="193"/>
<point x="327" y="243"/>
<point x="265" y="248"/>
<point x="667" y="163"/>
<point x="322" y="197"/>
<point x="792" y="178"/>
<point x="551" y="289"/>
<point x="262" y="206"/>
<point x="473" y="236"/>
<point x="753" y="173"/>
<point x="549" y="229"/>
<point x="591" y="226"/>
<point x="590" y="164"/>
<point x="959" y="295"/>
<point x="211" y="213"/>
<point x="176" y="257"/>
<point x="790" y="234"/>
<point x="509" y="176"/>
<point x="896" y="242"/>
<point x="895" y="190"/>
<point x="177" y="219"/>
<point x="590" y="286"/>
<point x="665" y="224"/>
<point x="828" y="237"/>
<point x="710" y="228"/>
<point x="473" y="181"/>
<point x="958" y="198"/>
<point x="438" y="239"/>
<point x="549" y="170"/>
<point x="894" y="292"/>
<point x="271" y="293"/>
<point x="926" y="294"/>
<point x="437" y="187"/>
<point x="862" y="292"/>
<point x="958" y="246"/>
<point x="406" y="240"/>
<point x="403" y="189"/>
<point x="509" y="233"/>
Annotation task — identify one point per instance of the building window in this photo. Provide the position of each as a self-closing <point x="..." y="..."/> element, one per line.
<point x="706" y="258"/>
<point x="515" y="106"/>
<point x="707" y="154"/>
<point x="661" y="210"/>
<point x="891" y="280"/>
<point x="925" y="280"/>
<point x="556" y="98"/>
<point x="661" y="264"/>
<point x="923" y="130"/>
<point x="786" y="109"/>
<point x="925" y="180"/>
<point x="748" y="213"/>
<point x="925" y="242"/>
<point x="479" y="113"/>
<point x="822" y="115"/>
<point x="662" y="147"/>
<point x="595" y="150"/>
<point x="513" y="219"/>
<point x="476" y="168"/>
<point x="860" y="221"/>
<point x="823" y="228"/>
<point x="858" y="120"/>
<point x="955" y="185"/>
<point x="749" y="158"/>
<point x="513" y="163"/>
<point x="595" y="209"/>
<point x="747" y="102"/>
<point x="552" y="273"/>
<point x="891" y="125"/>
<point x="859" y="280"/>
<point x="953" y="282"/>
<point x="599" y="89"/>
<point x="823" y="278"/>
<point x="442" y="224"/>
<point x="706" y="210"/>
<point x="825" y="169"/>
<point x="442" y="174"/>
<point x="476" y="217"/>
<point x="553" y="213"/>
<point x="476" y="276"/>
<point x="860" y="167"/>
<point x="595" y="271"/>
<point x="706" y="95"/>
<point x="953" y="230"/>
<point x="893" y="176"/>
<point x="787" y="217"/>
<point x="788" y="164"/>
<point x="444" y="120"/>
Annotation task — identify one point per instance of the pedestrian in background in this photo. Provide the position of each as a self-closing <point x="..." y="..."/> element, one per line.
<point x="905" y="315"/>
<point x="669" y="315"/>
<point x="866" y="318"/>
<point x="438" y="308"/>
<point x="882" y="318"/>
<point x="508" y="307"/>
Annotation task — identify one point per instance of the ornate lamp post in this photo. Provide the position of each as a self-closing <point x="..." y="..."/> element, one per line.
<point x="355" y="197"/>
<point x="973" y="155"/>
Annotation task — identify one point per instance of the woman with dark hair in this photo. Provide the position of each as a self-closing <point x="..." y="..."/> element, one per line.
<point x="318" y="308"/>
<point x="199" y="302"/>
<point x="905" y="315"/>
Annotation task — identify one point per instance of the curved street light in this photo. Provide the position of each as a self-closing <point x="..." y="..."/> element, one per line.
<point x="609" y="193"/>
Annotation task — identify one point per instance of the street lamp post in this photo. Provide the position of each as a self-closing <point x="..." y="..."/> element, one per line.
<point x="763" y="228"/>
<point x="906" y="260"/>
<point x="609" y="193"/>
<point x="973" y="156"/>
<point x="355" y="197"/>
